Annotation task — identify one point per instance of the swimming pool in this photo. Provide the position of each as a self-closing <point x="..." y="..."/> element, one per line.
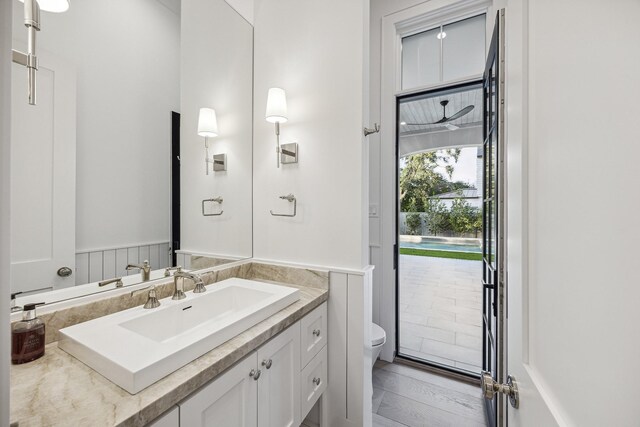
<point x="442" y="246"/>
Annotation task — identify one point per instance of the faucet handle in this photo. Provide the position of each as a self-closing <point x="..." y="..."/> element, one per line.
<point x="152" y="299"/>
<point x="14" y="307"/>
<point x="117" y="281"/>
<point x="167" y="271"/>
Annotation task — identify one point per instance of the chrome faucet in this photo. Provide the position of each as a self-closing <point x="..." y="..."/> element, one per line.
<point x="145" y="270"/>
<point x="152" y="298"/>
<point x="178" y="282"/>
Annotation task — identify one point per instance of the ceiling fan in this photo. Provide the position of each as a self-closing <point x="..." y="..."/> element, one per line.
<point x="444" y="121"/>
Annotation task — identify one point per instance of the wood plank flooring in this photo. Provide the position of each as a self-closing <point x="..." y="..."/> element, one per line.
<point x="405" y="396"/>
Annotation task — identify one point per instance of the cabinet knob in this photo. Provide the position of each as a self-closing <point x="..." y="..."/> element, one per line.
<point x="255" y="374"/>
<point x="267" y="363"/>
<point x="316" y="332"/>
<point x="317" y="381"/>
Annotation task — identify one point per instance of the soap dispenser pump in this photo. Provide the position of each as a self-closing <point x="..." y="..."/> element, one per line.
<point x="27" y="336"/>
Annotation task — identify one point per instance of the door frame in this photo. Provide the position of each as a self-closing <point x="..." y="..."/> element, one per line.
<point x="394" y="27"/>
<point x="434" y="91"/>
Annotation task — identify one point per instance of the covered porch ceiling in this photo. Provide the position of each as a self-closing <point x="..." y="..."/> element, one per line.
<point x="418" y="134"/>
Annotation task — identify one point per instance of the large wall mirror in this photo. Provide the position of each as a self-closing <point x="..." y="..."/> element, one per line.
<point x="108" y="169"/>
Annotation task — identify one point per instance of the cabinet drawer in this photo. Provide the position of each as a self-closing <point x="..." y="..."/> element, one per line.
<point x="313" y="381"/>
<point x="313" y="333"/>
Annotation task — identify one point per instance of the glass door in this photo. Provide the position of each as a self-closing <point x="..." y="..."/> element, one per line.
<point x="493" y="232"/>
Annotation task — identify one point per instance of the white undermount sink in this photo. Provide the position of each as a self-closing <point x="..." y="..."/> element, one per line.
<point x="137" y="347"/>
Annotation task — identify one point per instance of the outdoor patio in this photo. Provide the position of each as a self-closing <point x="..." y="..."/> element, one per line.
<point x="441" y="310"/>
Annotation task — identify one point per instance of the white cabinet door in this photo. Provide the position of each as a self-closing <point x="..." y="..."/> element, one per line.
<point x="171" y="418"/>
<point x="229" y="400"/>
<point x="279" y="383"/>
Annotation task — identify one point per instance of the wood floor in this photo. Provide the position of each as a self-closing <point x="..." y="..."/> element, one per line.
<point x="405" y="396"/>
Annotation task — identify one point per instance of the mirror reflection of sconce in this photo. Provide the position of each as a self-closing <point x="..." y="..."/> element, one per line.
<point x="277" y="113"/>
<point x="208" y="127"/>
<point x="32" y="22"/>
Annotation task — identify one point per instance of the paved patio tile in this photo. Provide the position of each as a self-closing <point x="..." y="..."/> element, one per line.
<point x="441" y="308"/>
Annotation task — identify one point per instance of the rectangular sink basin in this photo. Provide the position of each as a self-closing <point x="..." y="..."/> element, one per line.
<point x="137" y="347"/>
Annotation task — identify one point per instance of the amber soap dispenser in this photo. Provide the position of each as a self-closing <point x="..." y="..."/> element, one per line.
<point x="27" y="337"/>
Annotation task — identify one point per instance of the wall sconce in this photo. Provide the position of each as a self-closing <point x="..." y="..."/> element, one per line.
<point x="277" y="113"/>
<point x="208" y="127"/>
<point x="32" y="22"/>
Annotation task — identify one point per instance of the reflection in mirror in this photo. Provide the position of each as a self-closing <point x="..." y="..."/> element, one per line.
<point x="104" y="174"/>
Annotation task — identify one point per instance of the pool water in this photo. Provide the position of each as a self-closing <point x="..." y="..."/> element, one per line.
<point x="442" y="247"/>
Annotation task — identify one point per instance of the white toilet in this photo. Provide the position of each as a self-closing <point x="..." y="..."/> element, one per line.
<point x="378" y="338"/>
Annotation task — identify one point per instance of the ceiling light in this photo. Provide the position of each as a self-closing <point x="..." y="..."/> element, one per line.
<point x="441" y="35"/>
<point x="403" y="123"/>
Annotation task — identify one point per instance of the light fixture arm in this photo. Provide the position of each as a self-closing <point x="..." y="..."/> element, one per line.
<point x="278" y="144"/>
<point x="206" y="154"/>
<point x="29" y="59"/>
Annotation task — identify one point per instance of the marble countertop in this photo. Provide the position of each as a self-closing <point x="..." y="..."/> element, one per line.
<point x="58" y="389"/>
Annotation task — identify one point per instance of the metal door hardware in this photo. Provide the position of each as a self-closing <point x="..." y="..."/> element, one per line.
<point x="490" y="387"/>
<point x="291" y="199"/>
<point x="267" y="363"/>
<point x="317" y="381"/>
<point x="255" y="374"/>
<point x="316" y="332"/>
<point x="369" y="131"/>
<point x="65" y="272"/>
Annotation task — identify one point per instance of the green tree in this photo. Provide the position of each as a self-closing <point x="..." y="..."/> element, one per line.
<point x="419" y="178"/>
<point x="436" y="216"/>
<point x="462" y="216"/>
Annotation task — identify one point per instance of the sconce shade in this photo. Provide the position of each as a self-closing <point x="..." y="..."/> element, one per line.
<point x="207" y="123"/>
<point x="56" y="6"/>
<point x="276" y="106"/>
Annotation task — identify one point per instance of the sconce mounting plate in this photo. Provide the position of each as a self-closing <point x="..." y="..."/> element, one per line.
<point x="289" y="153"/>
<point x="219" y="162"/>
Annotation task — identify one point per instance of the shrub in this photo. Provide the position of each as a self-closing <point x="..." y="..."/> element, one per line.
<point x="414" y="223"/>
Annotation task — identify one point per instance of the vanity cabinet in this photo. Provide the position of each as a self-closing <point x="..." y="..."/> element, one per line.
<point x="279" y="383"/>
<point x="274" y="386"/>
<point x="230" y="400"/>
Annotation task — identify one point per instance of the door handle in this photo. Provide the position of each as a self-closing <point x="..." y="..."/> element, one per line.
<point x="490" y="387"/>
<point x="267" y="363"/>
<point x="64" y="272"/>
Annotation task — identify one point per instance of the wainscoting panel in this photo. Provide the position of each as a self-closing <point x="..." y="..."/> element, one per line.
<point x="106" y="264"/>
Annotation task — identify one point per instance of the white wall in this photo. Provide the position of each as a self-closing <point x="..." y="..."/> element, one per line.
<point x="216" y="72"/>
<point x="583" y="208"/>
<point x="313" y="50"/>
<point x="244" y="8"/>
<point x="5" y="263"/>
<point x="127" y="59"/>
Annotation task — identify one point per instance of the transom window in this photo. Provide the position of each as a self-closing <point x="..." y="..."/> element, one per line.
<point x="445" y="53"/>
